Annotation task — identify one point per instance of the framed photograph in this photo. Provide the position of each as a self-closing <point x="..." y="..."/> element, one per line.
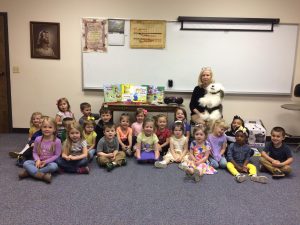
<point x="44" y="40"/>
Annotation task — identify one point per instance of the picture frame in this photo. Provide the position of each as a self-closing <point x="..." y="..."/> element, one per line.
<point x="45" y="40"/>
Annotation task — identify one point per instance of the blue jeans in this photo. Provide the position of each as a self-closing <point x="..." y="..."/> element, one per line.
<point x="91" y="154"/>
<point x="30" y="167"/>
<point x="71" y="166"/>
<point x="215" y="164"/>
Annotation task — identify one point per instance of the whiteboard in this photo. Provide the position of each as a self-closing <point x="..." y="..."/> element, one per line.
<point x="244" y="62"/>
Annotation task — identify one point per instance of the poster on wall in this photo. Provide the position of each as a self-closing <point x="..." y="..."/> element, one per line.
<point x="116" y="34"/>
<point x="94" y="35"/>
<point x="147" y="34"/>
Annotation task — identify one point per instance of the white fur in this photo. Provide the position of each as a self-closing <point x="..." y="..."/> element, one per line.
<point x="211" y="99"/>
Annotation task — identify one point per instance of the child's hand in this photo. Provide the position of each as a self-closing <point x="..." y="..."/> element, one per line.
<point x="276" y="163"/>
<point x="111" y="155"/>
<point x="239" y="168"/>
<point x="38" y="163"/>
<point x="42" y="164"/>
<point x="245" y="169"/>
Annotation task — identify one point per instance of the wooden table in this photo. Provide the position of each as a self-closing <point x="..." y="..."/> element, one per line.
<point x="131" y="107"/>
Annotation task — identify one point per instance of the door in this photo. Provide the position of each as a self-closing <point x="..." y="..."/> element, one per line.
<point x="5" y="100"/>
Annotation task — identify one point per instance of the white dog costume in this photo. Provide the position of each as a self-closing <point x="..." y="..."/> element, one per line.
<point x="212" y="101"/>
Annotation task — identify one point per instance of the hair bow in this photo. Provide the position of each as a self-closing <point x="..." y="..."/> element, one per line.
<point x="90" y="118"/>
<point x="145" y="112"/>
<point x="243" y="130"/>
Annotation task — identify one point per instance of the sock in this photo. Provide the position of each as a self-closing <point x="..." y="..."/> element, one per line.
<point x="114" y="163"/>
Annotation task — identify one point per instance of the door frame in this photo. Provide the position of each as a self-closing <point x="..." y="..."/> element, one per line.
<point x="7" y="68"/>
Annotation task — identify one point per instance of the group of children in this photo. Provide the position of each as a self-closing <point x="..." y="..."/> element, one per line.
<point x="64" y="145"/>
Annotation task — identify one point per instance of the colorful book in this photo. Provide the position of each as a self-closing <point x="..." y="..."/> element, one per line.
<point x="112" y="92"/>
<point x="134" y="93"/>
<point x="155" y="94"/>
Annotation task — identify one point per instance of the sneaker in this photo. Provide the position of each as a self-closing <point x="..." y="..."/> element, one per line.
<point x="240" y="178"/>
<point x="109" y="167"/>
<point x="183" y="166"/>
<point x="47" y="178"/>
<point x="23" y="174"/>
<point x="129" y="152"/>
<point x="13" y="154"/>
<point x="197" y="176"/>
<point x="160" y="164"/>
<point x="259" y="179"/>
<point x="84" y="170"/>
<point x="123" y="162"/>
<point x="278" y="174"/>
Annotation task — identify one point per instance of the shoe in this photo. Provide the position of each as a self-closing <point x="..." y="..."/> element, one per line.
<point x="39" y="176"/>
<point x="278" y="174"/>
<point x="47" y="178"/>
<point x="109" y="167"/>
<point x="159" y="164"/>
<point x="123" y="162"/>
<point x="197" y="176"/>
<point x="83" y="170"/>
<point x="259" y="179"/>
<point x="13" y="154"/>
<point x="129" y="152"/>
<point x="183" y="166"/>
<point x="240" y="178"/>
<point x="23" y="174"/>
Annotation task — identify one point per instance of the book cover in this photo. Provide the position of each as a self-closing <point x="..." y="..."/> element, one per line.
<point x="112" y="92"/>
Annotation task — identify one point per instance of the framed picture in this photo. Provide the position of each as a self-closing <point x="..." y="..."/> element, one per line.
<point x="44" y="40"/>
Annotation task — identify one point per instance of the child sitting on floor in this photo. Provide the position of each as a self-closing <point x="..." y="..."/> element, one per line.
<point x="90" y="136"/>
<point x="198" y="164"/>
<point x="277" y="156"/>
<point x="163" y="133"/>
<point x="178" y="151"/>
<point x="238" y="159"/>
<point x="124" y="134"/>
<point x="108" y="152"/>
<point x="147" y="149"/>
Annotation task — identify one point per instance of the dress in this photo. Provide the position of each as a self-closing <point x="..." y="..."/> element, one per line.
<point x="199" y="153"/>
<point x="198" y="93"/>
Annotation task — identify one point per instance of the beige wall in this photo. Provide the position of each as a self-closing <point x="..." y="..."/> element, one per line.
<point x="41" y="82"/>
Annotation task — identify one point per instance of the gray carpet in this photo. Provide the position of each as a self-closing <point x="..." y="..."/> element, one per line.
<point x="142" y="194"/>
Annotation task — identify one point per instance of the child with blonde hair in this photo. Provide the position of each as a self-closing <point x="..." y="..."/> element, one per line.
<point x="147" y="147"/>
<point x="163" y="133"/>
<point x="90" y="136"/>
<point x="47" y="148"/>
<point x="199" y="152"/>
<point x="218" y="142"/>
<point x="74" y="153"/>
<point x="124" y="134"/>
<point x="35" y="126"/>
<point x="178" y="151"/>
<point x="35" y="123"/>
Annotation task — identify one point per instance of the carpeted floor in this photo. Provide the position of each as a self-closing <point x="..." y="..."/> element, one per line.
<point x="142" y="194"/>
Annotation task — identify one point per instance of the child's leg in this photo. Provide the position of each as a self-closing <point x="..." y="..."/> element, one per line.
<point x="286" y="169"/>
<point x="120" y="158"/>
<point x="213" y="162"/>
<point x="91" y="154"/>
<point x="103" y="160"/>
<point x="267" y="164"/>
<point x="253" y="174"/>
<point x="49" y="168"/>
<point x="30" y="167"/>
<point x="238" y="177"/>
<point x="232" y="169"/>
<point x="223" y="162"/>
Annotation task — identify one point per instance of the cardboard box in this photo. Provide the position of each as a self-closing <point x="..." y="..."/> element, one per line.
<point x="112" y="92"/>
<point x="257" y="133"/>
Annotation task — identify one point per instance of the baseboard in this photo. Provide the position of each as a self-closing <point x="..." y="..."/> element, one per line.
<point x="20" y="130"/>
